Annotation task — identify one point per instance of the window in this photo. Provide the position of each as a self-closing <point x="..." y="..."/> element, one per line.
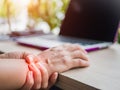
<point x="19" y="15"/>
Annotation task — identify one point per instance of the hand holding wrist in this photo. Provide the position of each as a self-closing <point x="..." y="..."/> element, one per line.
<point x="40" y="72"/>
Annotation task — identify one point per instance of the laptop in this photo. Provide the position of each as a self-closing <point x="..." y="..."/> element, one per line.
<point x="93" y="24"/>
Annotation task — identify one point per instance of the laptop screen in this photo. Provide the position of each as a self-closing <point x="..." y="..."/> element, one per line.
<point x="91" y="19"/>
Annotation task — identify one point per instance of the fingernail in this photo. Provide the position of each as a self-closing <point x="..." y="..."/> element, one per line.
<point x="86" y="63"/>
<point x="55" y="75"/>
<point x="29" y="59"/>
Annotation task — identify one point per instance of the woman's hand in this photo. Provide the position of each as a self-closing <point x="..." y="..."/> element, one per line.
<point x="14" y="55"/>
<point x="40" y="73"/>
<point x="56" y="59"/>
<point x="33" y="78"/>
<point x="64" y="57"/>
<point x="30" y="82"/>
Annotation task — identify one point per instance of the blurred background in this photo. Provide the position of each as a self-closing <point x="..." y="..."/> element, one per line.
<point x="31" y="15"/>
<point x="18" y="17"/>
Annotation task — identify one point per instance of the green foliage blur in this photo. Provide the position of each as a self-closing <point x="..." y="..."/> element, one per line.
<point x="8" y="8"/>
<point x="50" y="11"/>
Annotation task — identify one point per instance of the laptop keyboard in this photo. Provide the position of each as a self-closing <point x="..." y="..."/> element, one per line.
<point x="46" y="41"/>
<point x="71" y="40"/>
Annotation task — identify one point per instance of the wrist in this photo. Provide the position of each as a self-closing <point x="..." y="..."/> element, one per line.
<point x="40" y="59"/>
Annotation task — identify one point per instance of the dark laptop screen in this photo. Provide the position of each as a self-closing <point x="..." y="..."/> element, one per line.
<point x="92" y="19"/>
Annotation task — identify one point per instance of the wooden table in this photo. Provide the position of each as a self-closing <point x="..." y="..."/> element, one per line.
<point x="103" y="72"/>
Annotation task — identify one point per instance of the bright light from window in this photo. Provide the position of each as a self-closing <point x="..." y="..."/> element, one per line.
<point x="21" y="2"/>
<point x="31" y="14"/>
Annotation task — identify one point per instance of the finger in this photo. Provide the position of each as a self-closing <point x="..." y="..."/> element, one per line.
<point x="45" y="76"/>
<point x="10" y="55"/>
<point x="74" y="47"/>
<point x="31" y="59"/>
<point x="78" y="47"/>
<point x="37" y="76"/>
<point x="15" y="55"/>
<point x="81" y="48"/>
<point x="29" y="81"/>
<point x="79" y="63"/>
<point x="25" y="54"/>
<point x="74" y="63"/>
<point x="52" y="80"/>
<point x="79" y="54"/>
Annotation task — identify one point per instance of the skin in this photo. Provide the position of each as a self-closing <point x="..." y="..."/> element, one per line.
<point x="63" y="58"/>
<point x="12" y="73"/>
<point x="47" y="63"/>
<point x="14" y="59"/>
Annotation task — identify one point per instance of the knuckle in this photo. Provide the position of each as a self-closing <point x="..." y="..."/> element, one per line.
<point x="80" y="62"/>
<point x="65" y="60"/>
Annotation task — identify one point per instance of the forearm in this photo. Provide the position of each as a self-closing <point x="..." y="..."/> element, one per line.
<point x="12" y="74"/>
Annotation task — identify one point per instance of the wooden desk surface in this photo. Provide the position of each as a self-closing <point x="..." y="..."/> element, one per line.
<point x="103" y="72"/>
